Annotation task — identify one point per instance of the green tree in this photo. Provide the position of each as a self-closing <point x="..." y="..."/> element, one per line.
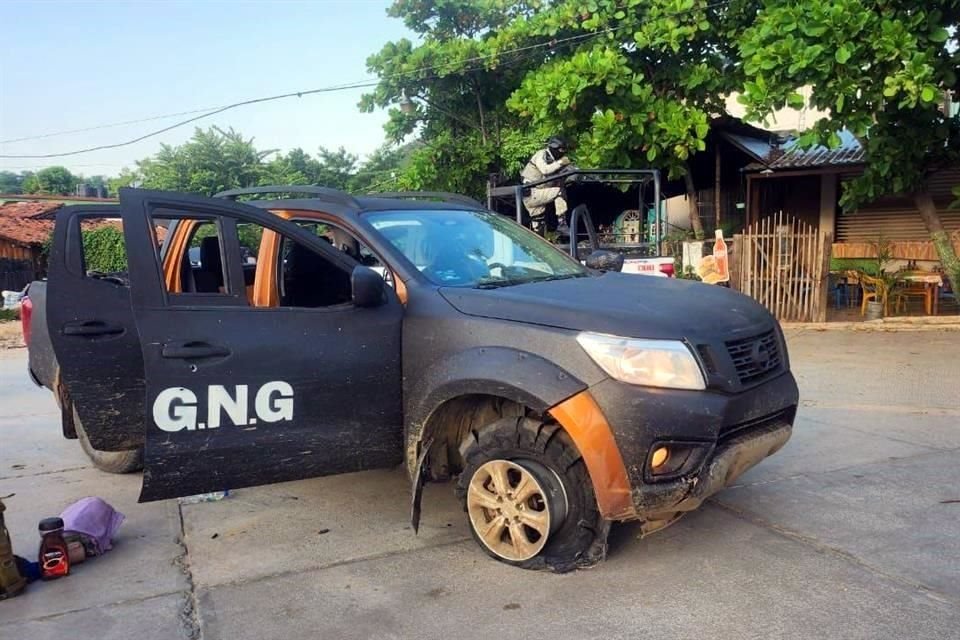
<point x="294" y="167"/>
<point x="638" y="82"/>
<point x="438" y="91"/>
<point x="11" y="182"/>
<point x="94" y="181"/>
<point x="382" y="169"/>
<point x="336" y="168"/>
<point x="51" y="181"/>
<point x="127" y="178"/>
<point x="212" y="160"/>
<point x="881" y="67"/>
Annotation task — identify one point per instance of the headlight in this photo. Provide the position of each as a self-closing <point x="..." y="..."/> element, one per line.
<point x="652" y="363"/>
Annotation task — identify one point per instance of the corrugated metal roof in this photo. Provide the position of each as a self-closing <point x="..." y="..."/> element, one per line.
<point x="791" y="156"/>
<point x="759" y="148"/>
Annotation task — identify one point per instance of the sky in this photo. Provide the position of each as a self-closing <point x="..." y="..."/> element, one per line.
<point x="71" y="65"/>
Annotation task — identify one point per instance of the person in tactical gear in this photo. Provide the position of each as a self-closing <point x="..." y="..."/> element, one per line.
<point x="545" y="163"/>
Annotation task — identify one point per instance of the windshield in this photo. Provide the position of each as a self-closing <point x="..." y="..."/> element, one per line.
<point x="473" y="248"/>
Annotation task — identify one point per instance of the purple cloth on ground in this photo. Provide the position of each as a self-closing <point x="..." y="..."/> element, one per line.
<point x="94" y="519"/>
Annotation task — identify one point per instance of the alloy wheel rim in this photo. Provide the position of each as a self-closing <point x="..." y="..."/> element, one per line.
<point x="509" y="510"/>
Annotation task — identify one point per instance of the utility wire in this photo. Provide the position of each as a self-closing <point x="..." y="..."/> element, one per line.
<point x="552" y="43"/>
<point x="181" y="123"/>
<point x="54" y="134"/>
<point x="216" y="109"/>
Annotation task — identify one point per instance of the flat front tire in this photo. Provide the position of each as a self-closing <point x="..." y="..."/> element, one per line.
<point x="109" y="461"/>
<point x="528" y="497"/>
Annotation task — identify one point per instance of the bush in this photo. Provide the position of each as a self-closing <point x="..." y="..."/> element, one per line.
<point x="104" y="250"/>
<point x="864" y="265"/>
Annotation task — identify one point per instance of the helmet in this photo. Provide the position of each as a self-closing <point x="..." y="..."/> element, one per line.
<point x="557" y="146"/>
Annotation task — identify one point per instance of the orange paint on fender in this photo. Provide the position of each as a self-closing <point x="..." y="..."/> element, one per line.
<point x="586" y="425"/>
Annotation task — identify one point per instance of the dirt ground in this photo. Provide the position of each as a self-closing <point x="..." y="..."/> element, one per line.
<point x="11" y="337"/>
<point x="849" y="532"/>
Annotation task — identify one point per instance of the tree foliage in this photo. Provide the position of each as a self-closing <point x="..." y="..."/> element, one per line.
<point x="456" y="98"/>
<point x="638" y="86"/>
<point x="11" y="182"/>
<point x="881" y="67"/>
<point x="50" y="181"/>
<point x="633" y="82"/>
<point x="104" y="249"/>
<point x="214" y="160"/>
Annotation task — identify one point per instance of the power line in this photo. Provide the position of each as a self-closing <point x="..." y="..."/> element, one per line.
<point x="110" y="125"/>
<point x="351" y="85"/>
<point x="552" y="43"/>
<point x="176" y="125"/>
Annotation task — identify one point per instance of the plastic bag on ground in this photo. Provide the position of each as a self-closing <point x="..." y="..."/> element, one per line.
<point x="96" y="522"/>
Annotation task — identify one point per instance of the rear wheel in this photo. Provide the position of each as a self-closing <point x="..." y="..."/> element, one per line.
<point x="528" y="497"/>
<point x="109" y="461"/>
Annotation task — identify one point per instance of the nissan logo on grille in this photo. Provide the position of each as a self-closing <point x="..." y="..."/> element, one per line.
<point x="760" y="356"/>
<point x="755" y="358"/>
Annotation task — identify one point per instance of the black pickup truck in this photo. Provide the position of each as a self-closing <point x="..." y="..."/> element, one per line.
<point x="321" y="333"/>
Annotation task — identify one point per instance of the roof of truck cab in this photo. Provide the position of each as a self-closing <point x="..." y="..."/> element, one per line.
<point x="365" y="204"/>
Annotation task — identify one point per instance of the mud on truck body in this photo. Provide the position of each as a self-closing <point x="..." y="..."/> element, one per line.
<point x="314" y="333"/>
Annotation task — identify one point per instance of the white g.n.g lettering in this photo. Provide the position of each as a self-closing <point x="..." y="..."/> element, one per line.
<point x="175" y="409"/>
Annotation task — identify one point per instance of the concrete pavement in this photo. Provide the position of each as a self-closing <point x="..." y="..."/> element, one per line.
<point x="849" y="532"/>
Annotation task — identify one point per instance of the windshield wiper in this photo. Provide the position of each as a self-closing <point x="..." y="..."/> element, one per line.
<point x="567" y="276"/>
<point x="496" y="284"/>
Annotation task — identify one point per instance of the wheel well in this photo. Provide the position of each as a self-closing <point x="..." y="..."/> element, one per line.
<point x="453" y="421"/>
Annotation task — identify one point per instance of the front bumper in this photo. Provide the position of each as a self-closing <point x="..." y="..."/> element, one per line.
<point x="662" y="503"/>
<point x="734" y="433"/>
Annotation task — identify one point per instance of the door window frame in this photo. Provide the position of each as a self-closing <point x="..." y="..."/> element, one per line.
<point x="138" y="209"/>
<point x="266" y="293"/>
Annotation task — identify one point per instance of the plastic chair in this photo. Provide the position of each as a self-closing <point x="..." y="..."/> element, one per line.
<point x="947" y="291"/>
<point x="873" y="289"/>
<point x="903" y="292"/>
<point x="840" y="295"/>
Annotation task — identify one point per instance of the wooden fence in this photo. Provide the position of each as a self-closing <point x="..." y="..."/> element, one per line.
<point x="783" y="263"/>
<point x="16" y="274"/>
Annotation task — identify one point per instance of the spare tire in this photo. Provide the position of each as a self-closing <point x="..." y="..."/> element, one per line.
<point x="109" y="461"/>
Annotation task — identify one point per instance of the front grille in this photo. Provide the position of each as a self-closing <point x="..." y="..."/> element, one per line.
<point x="784" y="416"/>
<point x="756" y="358"/>
<point x="706" y="357"/>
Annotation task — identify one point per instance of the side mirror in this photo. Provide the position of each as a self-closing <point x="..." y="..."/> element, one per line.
<point x="367" y="287"/>
<point x="603" y="260"/>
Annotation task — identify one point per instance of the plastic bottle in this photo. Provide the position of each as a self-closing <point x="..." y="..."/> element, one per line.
<point x="54" y="557"/>
<point x="214" y="496"/>
<point x="720" y="255"/>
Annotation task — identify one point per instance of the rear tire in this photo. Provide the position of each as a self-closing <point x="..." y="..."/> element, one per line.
<point x="109" y="461"/>
<point x="577" y="533"/>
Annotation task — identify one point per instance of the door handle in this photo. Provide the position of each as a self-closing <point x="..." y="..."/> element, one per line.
<point x="193" y="350"/>
<point x="91" y="328"/>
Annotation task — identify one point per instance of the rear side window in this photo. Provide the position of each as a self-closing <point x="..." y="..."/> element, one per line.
<point x="104" y="250"/>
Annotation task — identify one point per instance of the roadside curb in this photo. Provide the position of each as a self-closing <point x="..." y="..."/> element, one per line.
<point x="949" y="323"/>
